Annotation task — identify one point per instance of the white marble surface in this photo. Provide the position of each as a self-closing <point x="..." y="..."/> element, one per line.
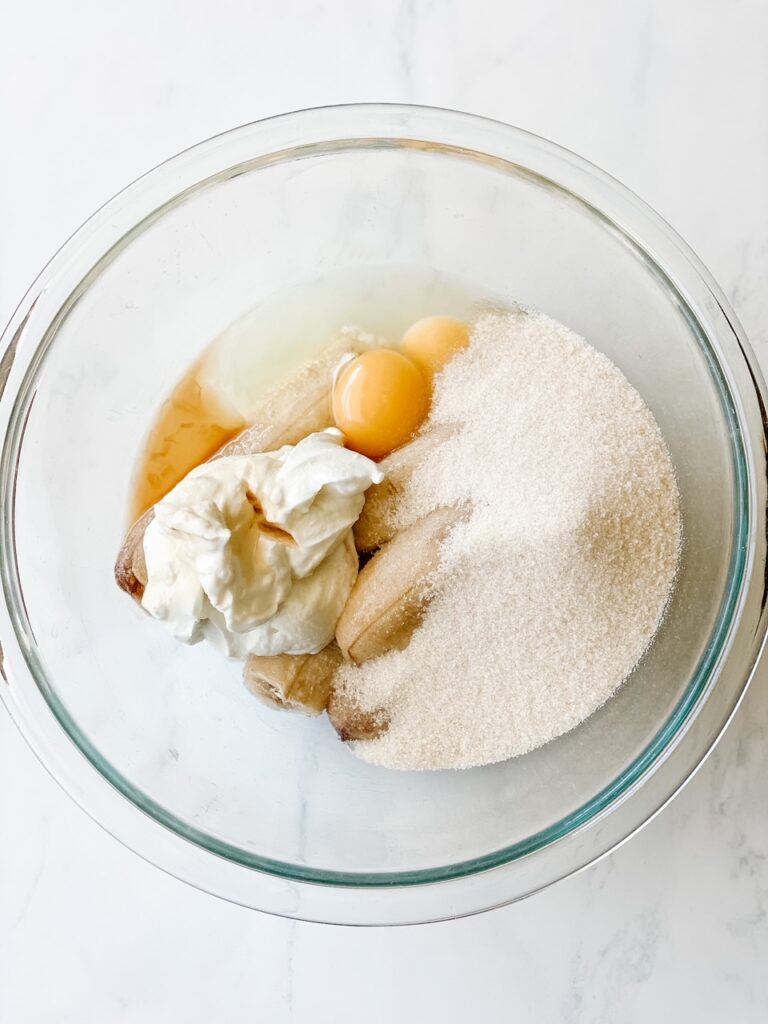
<point x="671" y="97"/>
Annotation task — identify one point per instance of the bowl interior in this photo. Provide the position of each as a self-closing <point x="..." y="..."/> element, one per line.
<point x="172" y="727"/>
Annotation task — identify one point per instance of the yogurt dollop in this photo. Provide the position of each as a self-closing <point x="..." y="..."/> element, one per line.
<point x="255" y="552"/>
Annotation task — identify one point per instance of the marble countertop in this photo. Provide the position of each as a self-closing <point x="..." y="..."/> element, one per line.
<point x="668" y="96"/>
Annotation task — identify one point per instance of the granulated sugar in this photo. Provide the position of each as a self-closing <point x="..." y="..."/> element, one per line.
<point x="550" y="591"/>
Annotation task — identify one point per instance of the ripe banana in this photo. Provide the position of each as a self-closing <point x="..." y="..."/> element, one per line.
<point x="381" y="613"/>
<point x="296" y="682"/>
<point x="390" y="594"/>
<point x="375" y="525"/>
<point x="130" y="567"/>
<point x="300" y="406"/>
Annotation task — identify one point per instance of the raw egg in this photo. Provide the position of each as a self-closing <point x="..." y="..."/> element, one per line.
<point x="433" y="342"/>
<point x="380" y="400"/>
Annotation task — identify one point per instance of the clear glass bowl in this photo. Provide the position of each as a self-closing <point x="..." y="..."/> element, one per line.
<point x="161" y="744"/>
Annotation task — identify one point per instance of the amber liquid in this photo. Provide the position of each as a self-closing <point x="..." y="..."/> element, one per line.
<point x="191" y="427"/>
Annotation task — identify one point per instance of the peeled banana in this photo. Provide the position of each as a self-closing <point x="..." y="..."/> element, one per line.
<point x="298" y="407"/>
<point x="130" y="567"/>
<point x="297" y="682"/>
<point x="376" y="523"/>
<point x="389" y="596"/>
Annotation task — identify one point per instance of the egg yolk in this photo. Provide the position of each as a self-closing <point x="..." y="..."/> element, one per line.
<point x="433" y="342"/>
<point x="380" y="400"/>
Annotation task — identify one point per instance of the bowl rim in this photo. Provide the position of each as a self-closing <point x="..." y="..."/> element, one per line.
<point x="45" y="722"/>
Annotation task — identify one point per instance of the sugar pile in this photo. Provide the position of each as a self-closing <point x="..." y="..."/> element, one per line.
<point x="550" y="591"/>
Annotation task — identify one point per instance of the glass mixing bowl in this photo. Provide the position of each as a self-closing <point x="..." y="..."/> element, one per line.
<point x="162" y="744"/>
